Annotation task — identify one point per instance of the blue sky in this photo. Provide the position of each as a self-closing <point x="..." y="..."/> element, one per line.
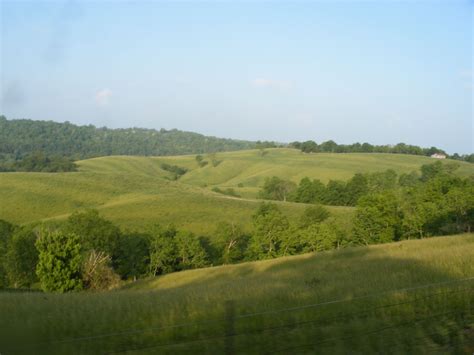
<point x="377" y="71"/>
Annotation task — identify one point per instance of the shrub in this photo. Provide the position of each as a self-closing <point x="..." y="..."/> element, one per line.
<point x="177" y="171"/>
<point x="97" y="273"/>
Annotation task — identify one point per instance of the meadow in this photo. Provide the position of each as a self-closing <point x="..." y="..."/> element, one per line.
<point x="408" y="297"/>
<point x="134" y="192"/>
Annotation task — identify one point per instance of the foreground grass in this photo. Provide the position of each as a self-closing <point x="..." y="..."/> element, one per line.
<point x="355" y="308"/>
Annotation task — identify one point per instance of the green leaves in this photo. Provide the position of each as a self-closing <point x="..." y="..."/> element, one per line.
<point x="171" y="250"/>
<point x="94" y="231"/>
<point x="190" y="252"/>
<point x="377" y="219"/>
<point x="270" y="226"/>
<point x="163" y="251"/>
<point x="232" y="241"/>
<point x="21" y="258"/>
<point x="278" y="189"/>
<point x="313" y="215"/>
<point x="60" y="261"/>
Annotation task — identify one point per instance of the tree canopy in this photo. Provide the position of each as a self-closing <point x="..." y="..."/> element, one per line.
<point x="21" y="137"/>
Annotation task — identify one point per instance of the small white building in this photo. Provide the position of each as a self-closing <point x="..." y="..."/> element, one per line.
<point x="438" y="156"/>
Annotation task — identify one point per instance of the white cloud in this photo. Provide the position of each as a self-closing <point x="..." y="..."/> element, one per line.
<point x="269" y="83"/>
<point x="102" y="97"/>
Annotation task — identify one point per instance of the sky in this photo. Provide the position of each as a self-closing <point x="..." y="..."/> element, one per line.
<point x="381" y="72"/>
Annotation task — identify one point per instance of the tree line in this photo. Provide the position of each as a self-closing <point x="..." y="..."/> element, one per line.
<point x="441" y="205"/>
<point x="21" y="137"/>
<point x="90" y="252"/>
<point x="38" y="162"/>
<point x="434" y="202"/>
<point x="348" y="193"/>
<point x="400" y="148"/>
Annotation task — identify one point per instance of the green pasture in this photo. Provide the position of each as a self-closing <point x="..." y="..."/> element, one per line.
<point x="135" y="192"/>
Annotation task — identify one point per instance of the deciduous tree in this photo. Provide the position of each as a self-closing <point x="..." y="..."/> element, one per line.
<point x="21" y="258"/>
<point x="60" y="261"/>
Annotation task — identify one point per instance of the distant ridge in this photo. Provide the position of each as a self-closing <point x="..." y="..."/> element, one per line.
<point x="19" y="137"/>
<point x="22" y="137"/>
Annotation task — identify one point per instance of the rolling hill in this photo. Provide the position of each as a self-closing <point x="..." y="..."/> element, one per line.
<point x="250" y="168"/>
<point x="410" y="296"/>
<point x="135" y="192"/>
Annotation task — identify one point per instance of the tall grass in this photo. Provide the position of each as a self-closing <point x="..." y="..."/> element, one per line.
<point x="403" y="297"/>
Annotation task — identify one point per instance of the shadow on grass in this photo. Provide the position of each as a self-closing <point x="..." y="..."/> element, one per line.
<point x="196" y="298"/>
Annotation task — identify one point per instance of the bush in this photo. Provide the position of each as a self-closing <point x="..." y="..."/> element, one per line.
<point x="97" y="273"/>
<point x="177" y="171"/>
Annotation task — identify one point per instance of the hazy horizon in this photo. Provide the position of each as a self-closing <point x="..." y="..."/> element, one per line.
<point x="378" y="72"/>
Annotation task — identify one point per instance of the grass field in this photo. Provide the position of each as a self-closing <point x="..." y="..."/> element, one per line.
<point x="400" y="298"/>
<point x="134" y="192"/>
<point x="250" y="168"/>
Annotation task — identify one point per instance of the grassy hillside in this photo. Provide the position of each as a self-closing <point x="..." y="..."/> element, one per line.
<point x="250" y="168"/>
<point x="406" y="297"/>
<point x="133" y="201"/>
<point x="135" y="192"/>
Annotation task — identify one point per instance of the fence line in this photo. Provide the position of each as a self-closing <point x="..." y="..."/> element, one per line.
<point x="283" y="326"/>
<point x="249" y="315"/>
<point x="401" y="324"/>
<point x="407" y="289"/>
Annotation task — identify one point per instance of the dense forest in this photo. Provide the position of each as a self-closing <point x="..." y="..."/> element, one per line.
<point x="88" y="251"/>
<point x="22" y="137"/>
